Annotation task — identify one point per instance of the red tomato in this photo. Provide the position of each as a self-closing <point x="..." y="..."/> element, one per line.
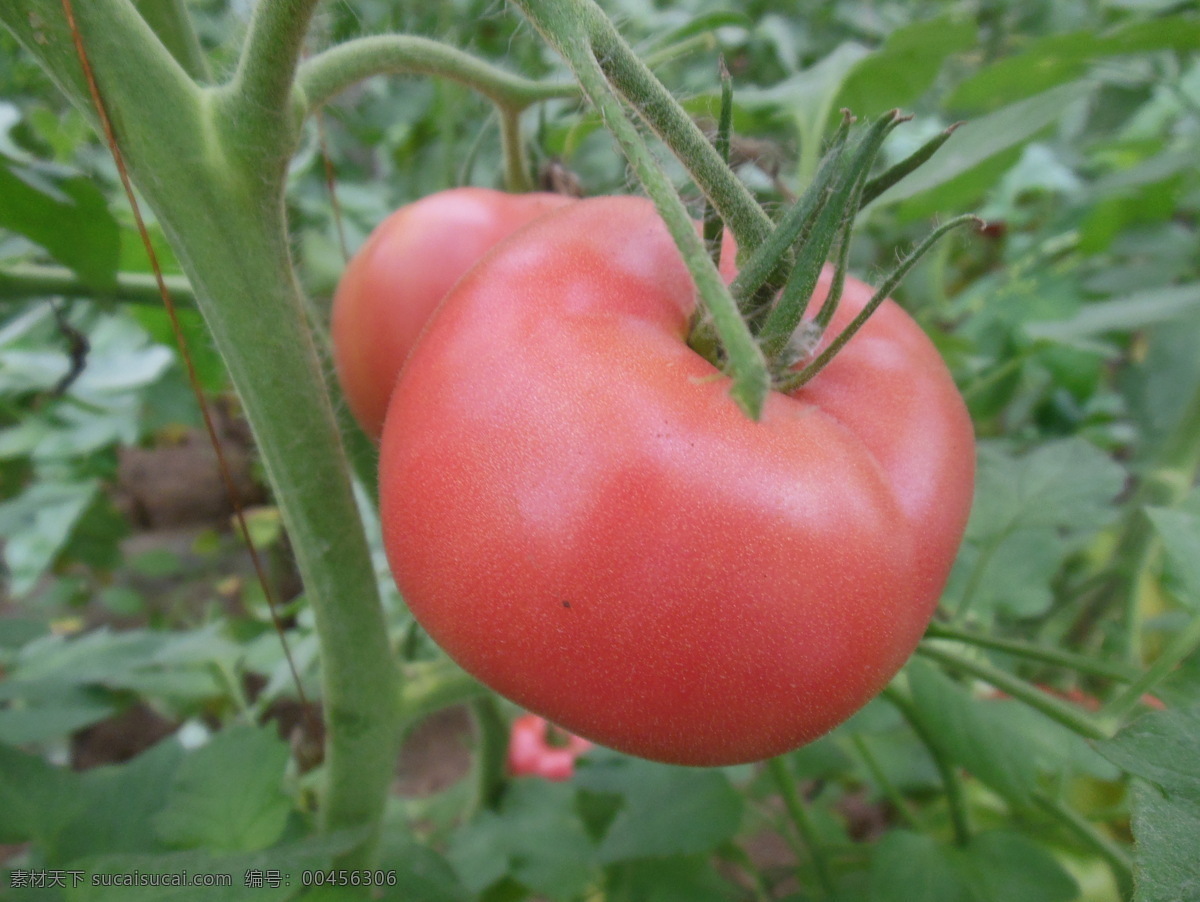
<point x="395" y="281"/>
<point x="580" y="515"/>
<point x="530" y="752"/>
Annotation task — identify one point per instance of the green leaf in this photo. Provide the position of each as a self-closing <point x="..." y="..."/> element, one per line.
<point x="667" y="810"/>
<point x="39" y="719"/>
<point x="1007" y="867"/>
<point x="1028" y="513"/>
<point x="535" y="837"/>
<point x="228" y="795"/>
<point x="973" y="734"/>
<point x="1065" y="485"/>
<point x="174" y="666"/>
<point x="1058" y="58"/>
<point x="37" y="525"/>
<point x="959" y="170"/>
<point x="422" y="874"/>
<point x="997" y="866"/>
<point x="270" y="875"/>
<point x="1160" y="749"/>
<point x="682" y="879"/>
<point x="911" y="867"/>
<point x="36" y="798"/>
<point x="64" y="213"/>
<point x="1135" y="311"/>
<point x="1012" y="571"/>
<point x="118" y="804"/>
<point x="904" y="68"/>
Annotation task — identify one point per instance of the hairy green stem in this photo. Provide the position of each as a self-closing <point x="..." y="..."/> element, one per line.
<point x="951" y="783"/>
<point x="32" y="280"/>
<point x="1044" y="654"/>
<point x="786" y="786"/>
<point x="631" y="77"/>
<point x="569" y="27"/>
<point x="890" y="792"/>
<point x="517" y="176"/>
<point x="1070" y="716"/>
<point x="212" y="164"/>
<point x="328" y="73"/>
<point x="713" y="226"/>
<point x="274" y="43"/>
<point x="490" y="764"/>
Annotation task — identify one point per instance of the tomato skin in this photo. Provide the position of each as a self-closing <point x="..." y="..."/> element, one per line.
<point x="579" y="514"/>
<point x="531" y="754"/>
<point x="398" y="277"/>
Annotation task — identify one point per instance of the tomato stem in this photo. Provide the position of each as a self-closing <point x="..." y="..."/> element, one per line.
<point x="332" y="71"/>
<point x="326" y="74"/>
<point x="785" y="783"/>
<point x="595" y="52"/>
<point x="1043" y="654"/>
<point x="21" y="281"/>
<point x="1070" y="716"/>
<point x="887" y="786"/>
<point x="946" y="768"/>
<point x="660" y="110"/>
<point x="212" y="164"/>
<point x="488" y="767"/>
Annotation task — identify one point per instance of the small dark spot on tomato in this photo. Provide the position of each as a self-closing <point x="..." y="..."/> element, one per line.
<point x="566" y="604"/>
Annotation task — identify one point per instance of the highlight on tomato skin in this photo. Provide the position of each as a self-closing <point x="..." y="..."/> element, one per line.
<point x="576" y="510"/>
<point x="531" y="753"/>
<point x="393" y="284"/>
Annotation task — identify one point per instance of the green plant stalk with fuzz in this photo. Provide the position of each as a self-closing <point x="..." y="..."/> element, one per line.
<point x="583" y="34"/>
<point x="570" y="28"/>
<point x="1065" y="713"/>
<point x="332" y="71"/>
<point x="32" y="280"/>
<point x="211" y="163"/>
<point x="786" y="786"/>
<point x="951" y="783"/>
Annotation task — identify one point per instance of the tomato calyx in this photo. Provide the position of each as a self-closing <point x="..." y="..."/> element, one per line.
<point x="777" y="279"/>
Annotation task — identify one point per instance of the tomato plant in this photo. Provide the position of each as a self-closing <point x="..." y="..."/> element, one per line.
<point x="394" y="282"/>
<point x="532" y="753"/>
<point x="615" y="528"/>
<point x="578" y="513"/>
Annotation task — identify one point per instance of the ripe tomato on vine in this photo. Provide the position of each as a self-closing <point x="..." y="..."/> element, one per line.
<point x="580" y="515"/>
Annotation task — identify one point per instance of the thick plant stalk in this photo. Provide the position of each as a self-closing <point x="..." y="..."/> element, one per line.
<point x="211" y="164"/>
